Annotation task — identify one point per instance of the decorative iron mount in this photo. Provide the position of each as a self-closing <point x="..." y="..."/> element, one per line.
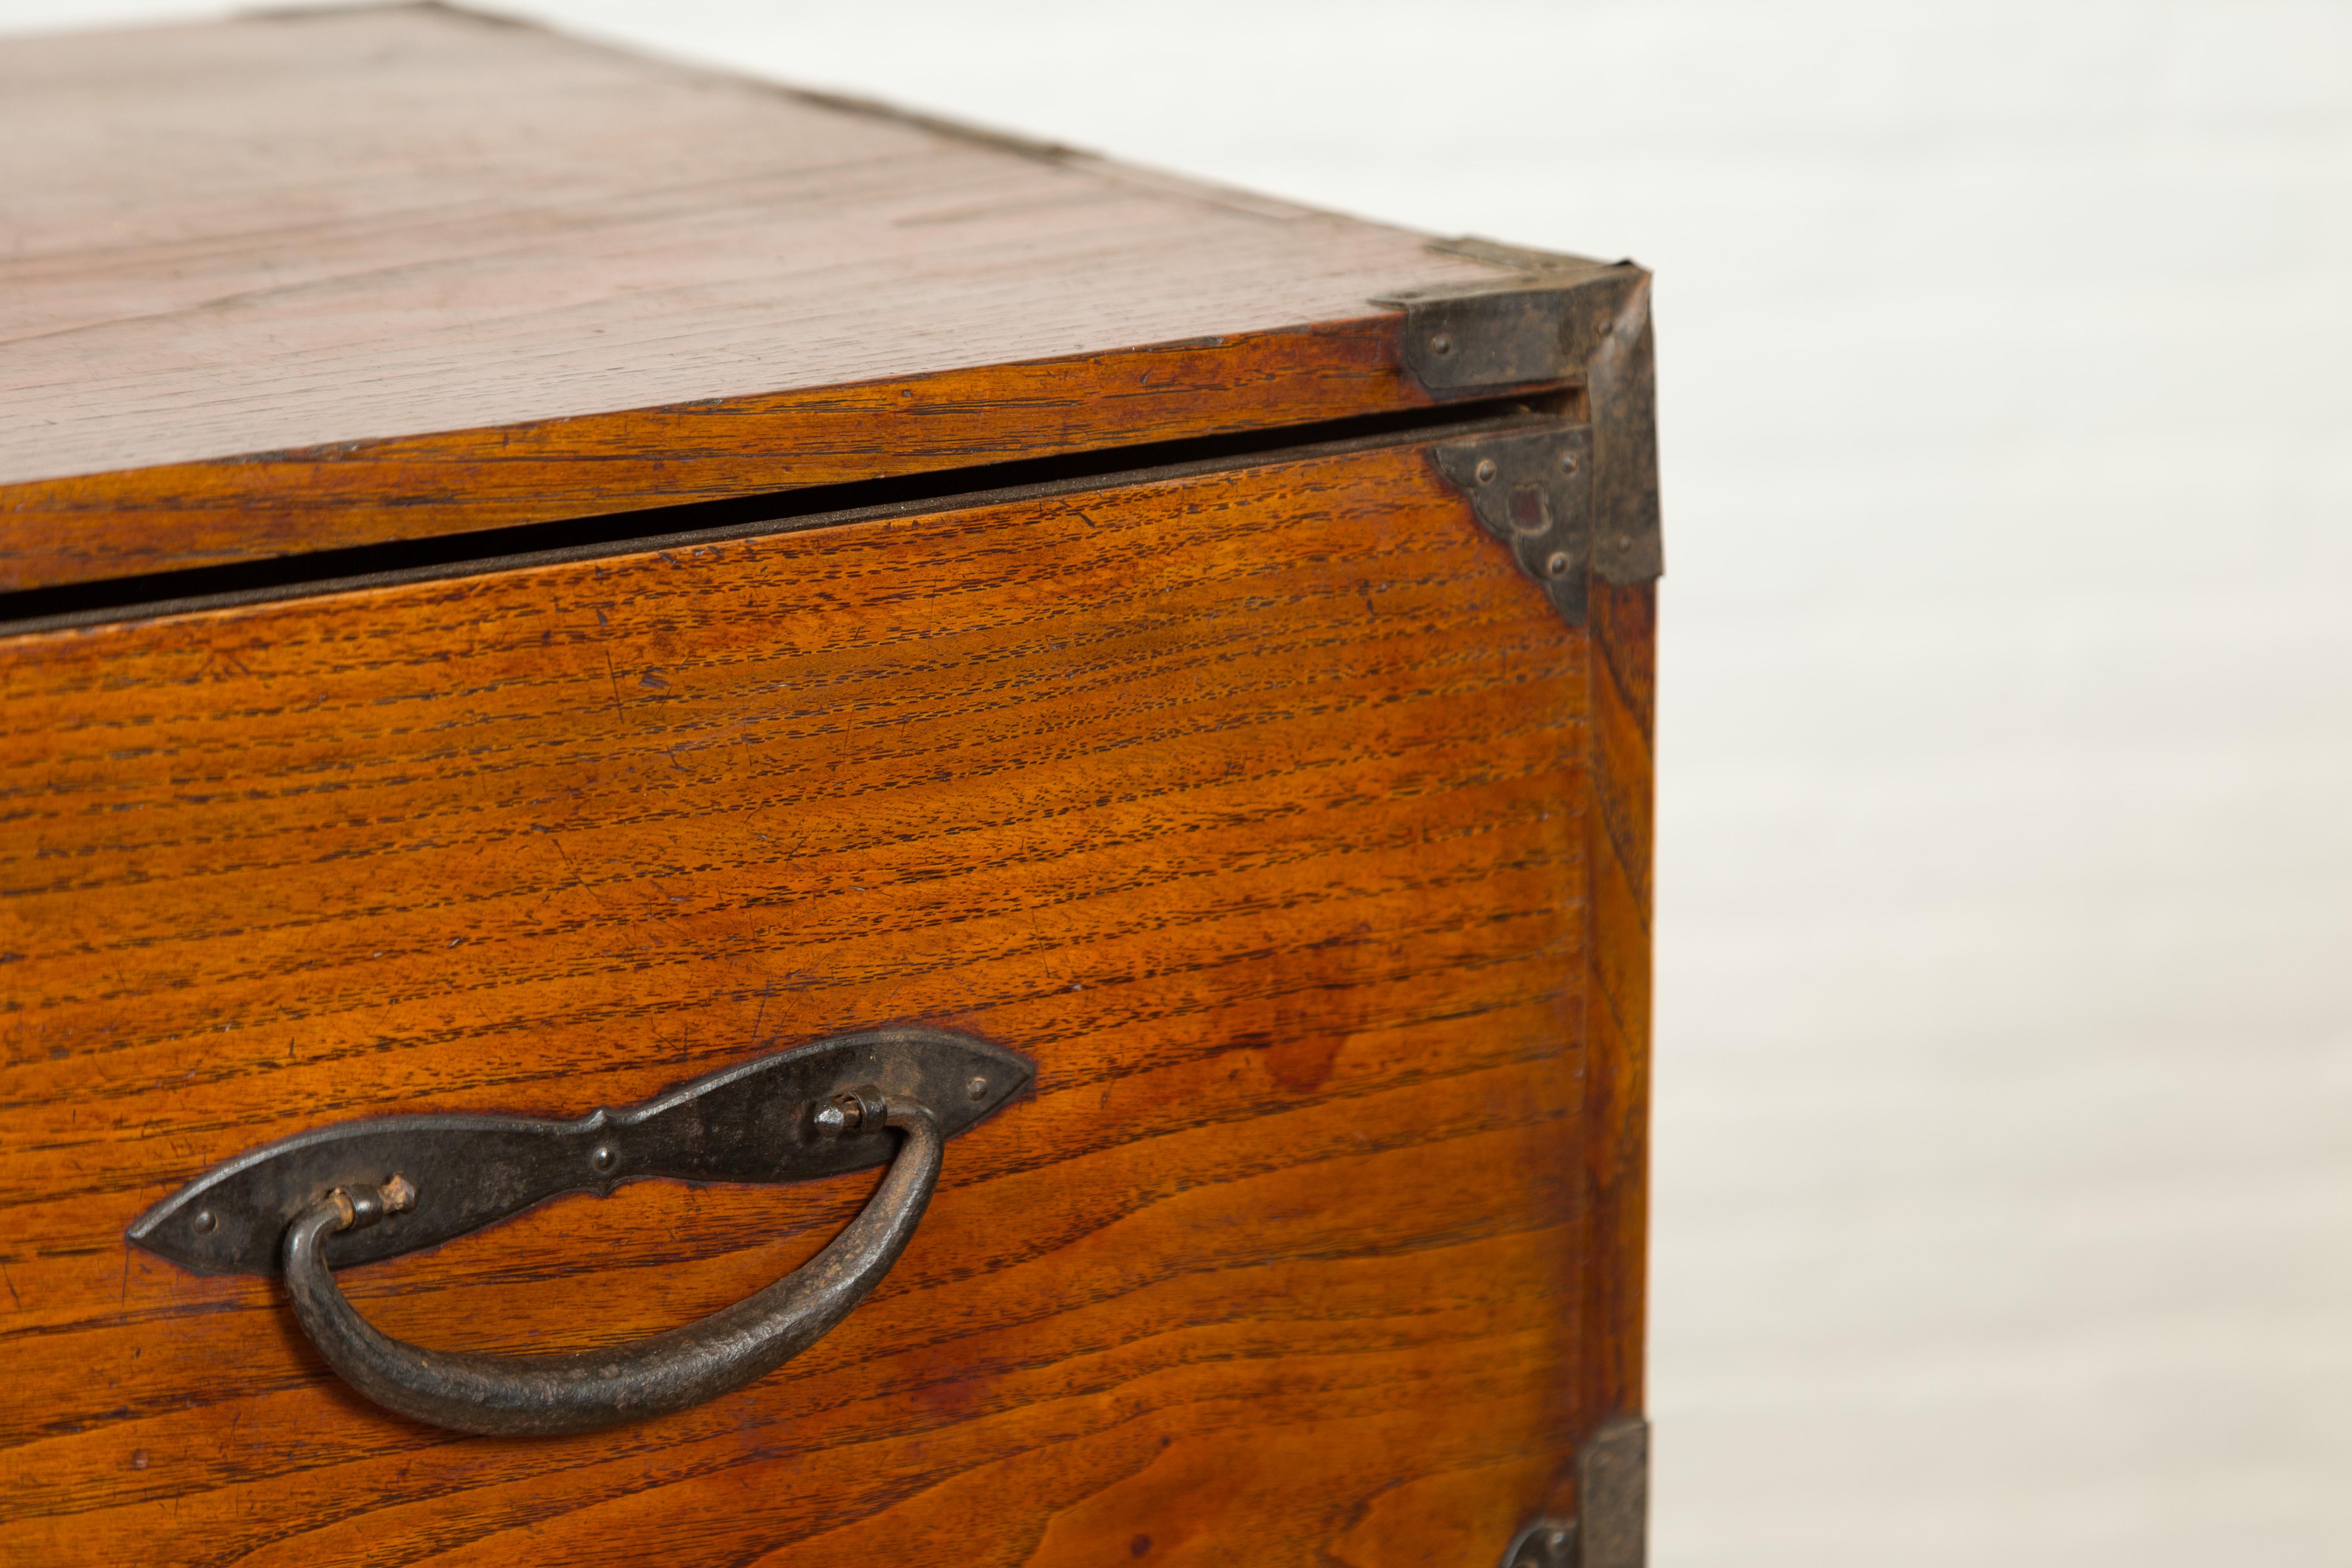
<point x="1610" y="1529"/>
<point x="1585" y="505"/>
<point x="1533" y="490"/>
<point x="362" y="1191"/>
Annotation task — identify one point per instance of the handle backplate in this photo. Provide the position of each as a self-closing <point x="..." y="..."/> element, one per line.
<point x="754" y="1122"/>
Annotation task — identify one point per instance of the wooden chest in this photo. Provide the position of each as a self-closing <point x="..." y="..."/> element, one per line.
<point x="1065" y="754"/>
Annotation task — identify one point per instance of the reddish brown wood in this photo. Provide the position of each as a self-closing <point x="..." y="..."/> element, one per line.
<point x="1622" y="713"/>
<point x="300" y="282"/>
<point x="1257" y="806"/>
<point x="366" y="492"/>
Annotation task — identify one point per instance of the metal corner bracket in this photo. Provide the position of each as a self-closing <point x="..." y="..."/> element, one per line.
<point x="1533" y="490"/>
<point x="1539" y="323"/>
<point x="1574" y="501"/>
<point x="1610" y="1529"/>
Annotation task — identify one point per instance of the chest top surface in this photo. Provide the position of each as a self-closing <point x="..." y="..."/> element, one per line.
<point x="289" y="237"/>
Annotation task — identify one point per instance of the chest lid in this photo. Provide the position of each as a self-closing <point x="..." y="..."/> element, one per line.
<point x="305" y="283"/>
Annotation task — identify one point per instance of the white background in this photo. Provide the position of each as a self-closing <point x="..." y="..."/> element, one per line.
<point x="2004" y="1129"/>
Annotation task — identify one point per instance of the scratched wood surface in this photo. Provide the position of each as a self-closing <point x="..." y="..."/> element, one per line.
<point x="1254" y="806"/>
<point x="297" y="282"/>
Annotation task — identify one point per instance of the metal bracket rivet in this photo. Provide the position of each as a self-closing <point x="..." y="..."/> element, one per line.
<point x="1486" y="470"/>
<point x="847" y="1114"/>
<point x="601" y="1157"/>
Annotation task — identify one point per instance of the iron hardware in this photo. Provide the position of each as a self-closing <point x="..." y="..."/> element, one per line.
<point x="1612" y="1495"/>
<point x="1546" y="1543"/>
<point x="370" y="1190"/>
<point x="1533" y="490"/>
<point x="1610" y="1529"/>
<point x="1464" y="339"/>
<point x="1553" y="320"/>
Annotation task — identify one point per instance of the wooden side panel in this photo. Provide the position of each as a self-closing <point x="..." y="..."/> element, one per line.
<point x="1251" y="805"/>
<point x="1623" y="634"/>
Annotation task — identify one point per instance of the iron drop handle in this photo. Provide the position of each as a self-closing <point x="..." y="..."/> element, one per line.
<point x="365" y="1190"/>
<point x="583" y="1391"/>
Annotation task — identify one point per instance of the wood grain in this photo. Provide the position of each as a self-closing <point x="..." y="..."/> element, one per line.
<point x="1253" y="805"/>
<point x="306" y="282"/>
<point x="179" y="515"/>
<point x="1621" y="629"/>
